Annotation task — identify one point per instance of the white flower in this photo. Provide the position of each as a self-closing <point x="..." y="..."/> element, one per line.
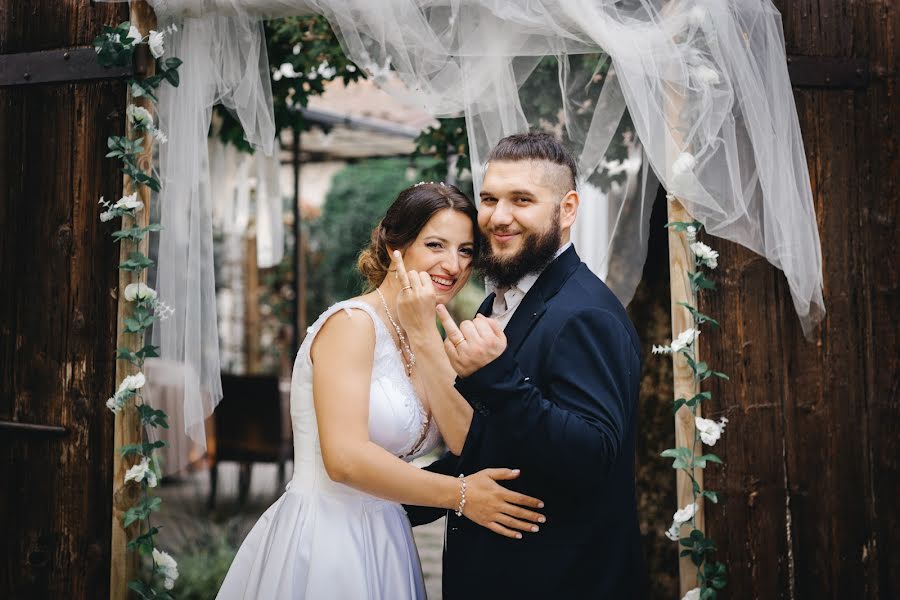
<point x="172" y="28"/>
<point x="134" y="34"/>
<point x="139" y="292"/>
<point x="132" y="383"/>
<point x="694" y="594"/>
<point x="155" y="39"/>
<point x="129" y="203"/>
<point x="685" y="514"/>
<point x="160" y="136"/>
<point x="684" y="338"/>
<point x="107" y="215"/>
<point x="141" y="471"/>
<point x="706" y="75"/>
<point x="684" y="163"/>
<point x="115" y="403"/>
<point x="672" y="532"/>
<point x="691" y="233"/>
<point x="140" y="116"/>
<point x="709" y="430"/>
<point x="707" y="255"/>
<point x="167" y="566"/>
<point x="661" y="349"/>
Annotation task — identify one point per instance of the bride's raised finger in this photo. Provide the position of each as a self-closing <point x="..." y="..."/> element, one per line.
<point x="397" y="262"/>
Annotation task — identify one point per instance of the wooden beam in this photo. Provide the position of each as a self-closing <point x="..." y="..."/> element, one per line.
<point x="251" y="305"/>
<point x="124" y="564"/>
<point x="680" y="264"/>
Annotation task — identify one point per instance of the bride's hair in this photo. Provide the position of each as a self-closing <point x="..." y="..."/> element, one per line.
<point x="403" y="221"/>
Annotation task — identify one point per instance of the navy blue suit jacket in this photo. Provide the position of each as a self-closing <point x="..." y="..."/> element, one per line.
<point x="560" y="404"/>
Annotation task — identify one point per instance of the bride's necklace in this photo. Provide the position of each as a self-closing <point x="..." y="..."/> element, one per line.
<point x="409" y="359"/>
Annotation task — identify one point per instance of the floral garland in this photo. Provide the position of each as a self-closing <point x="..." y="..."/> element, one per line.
<point x="711" y="575"/>
<point x="115" y="47"/>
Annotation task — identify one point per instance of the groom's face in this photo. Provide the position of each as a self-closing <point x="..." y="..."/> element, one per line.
<point x="519" y="213"/>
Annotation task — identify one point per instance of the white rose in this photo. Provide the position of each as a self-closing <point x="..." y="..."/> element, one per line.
<point x="672" y="532"/>
<point x="155" y="40"/>
<point x="684" y="338"/>
<point x="134" y="34"/>
<point x="691" y="233"/>
<point x="106" y="216"/>
<point x="685" y="514"/>
<point x="114" y="404"/>
<point x="139" y="115"/>
<point x="167" y="566"/>
<point x="132" y="383"/>
<point x="709" y="430"/>
<point x="694" y="594"/>
<point x="707" y="255"/>
<point x="706" y="75"/>
<point x="129" y="203"/>
<point x="142" y="471"/>
<point x="139" y="291"/>
<point x="684" y="163"/>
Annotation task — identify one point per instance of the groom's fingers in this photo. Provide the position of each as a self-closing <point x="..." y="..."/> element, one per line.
<point x="397" y="261"/>
<point x="454" y="335"/>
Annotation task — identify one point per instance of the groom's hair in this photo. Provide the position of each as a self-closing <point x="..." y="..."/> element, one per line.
<point x="539" y="146"/>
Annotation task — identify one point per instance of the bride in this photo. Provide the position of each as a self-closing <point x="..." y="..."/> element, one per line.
<point x="358" y="418"/>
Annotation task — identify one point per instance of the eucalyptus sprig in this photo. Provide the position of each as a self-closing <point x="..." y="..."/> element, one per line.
<point x="116" y="47"/>
<point x="711" y="575"/>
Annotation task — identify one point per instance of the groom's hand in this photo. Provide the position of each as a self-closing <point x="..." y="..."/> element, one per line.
<point x="473" y="344"/>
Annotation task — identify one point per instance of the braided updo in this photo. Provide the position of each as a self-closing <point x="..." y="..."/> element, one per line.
<point x="403" y="221"/>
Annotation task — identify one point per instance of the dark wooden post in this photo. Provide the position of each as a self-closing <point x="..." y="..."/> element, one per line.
<point x="58" y="301"/>
<point x="812" y="451"/>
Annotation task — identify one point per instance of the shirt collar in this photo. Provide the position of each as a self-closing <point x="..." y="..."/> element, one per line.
<point x="527" y="282"/>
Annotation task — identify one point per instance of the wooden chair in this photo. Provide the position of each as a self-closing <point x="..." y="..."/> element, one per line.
<point x="252" y="424"/>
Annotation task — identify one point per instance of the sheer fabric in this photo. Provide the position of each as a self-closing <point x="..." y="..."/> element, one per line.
<point x="704" y="84"/>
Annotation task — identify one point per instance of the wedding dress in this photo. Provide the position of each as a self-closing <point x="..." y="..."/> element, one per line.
<point x="326" y="540"/>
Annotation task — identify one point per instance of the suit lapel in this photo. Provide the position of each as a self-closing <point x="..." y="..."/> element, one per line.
<point x="487" y="306"/>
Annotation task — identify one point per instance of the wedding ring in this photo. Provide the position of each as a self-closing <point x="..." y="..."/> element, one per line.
<point x="409" y="287"/>
<point x="459" y="342"/>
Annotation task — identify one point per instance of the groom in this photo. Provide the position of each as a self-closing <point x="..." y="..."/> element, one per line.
<point x="557" y="400"/>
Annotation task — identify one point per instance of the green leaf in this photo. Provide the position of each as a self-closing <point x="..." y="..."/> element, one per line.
<point x="136" y="262"/>
<point x="699" y="317"/>
<point x="711" y="495"/>
<point x="678" y="404"/>
<point x="708" y="594"/>
<point x="141" y="588"/>
<point x="720" y="375"/>
<point x="133" y="325"/>
<point x="148" y="351"/>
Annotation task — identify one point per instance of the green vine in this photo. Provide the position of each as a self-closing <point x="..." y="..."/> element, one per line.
<point x="711" y="575"/>
<point x="115" y="47"/>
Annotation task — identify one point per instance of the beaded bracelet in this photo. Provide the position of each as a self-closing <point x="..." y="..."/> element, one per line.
<point x="462" y="495"/>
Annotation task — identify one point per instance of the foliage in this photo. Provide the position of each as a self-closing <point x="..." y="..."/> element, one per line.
<point x="711" y="575"/>
<point x="115" y="46"/>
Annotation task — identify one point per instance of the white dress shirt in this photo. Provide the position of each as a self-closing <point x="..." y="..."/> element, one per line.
<point x="507" y="300"/>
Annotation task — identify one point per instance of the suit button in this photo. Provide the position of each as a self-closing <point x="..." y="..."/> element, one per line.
<point x="454" y="529"/>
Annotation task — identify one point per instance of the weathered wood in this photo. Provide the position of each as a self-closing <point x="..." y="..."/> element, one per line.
<point x="124" y="565"/>
<point x="57" y="332"/>
<point x="252" y="322"/>
<point x="812" y="446"/>
<point x="680" y="264"/>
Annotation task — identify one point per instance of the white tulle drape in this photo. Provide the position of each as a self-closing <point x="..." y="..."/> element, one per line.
<point x="704" y="82"/>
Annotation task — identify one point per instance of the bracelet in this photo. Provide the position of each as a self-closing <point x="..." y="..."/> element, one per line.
<point x="462" y="495"/>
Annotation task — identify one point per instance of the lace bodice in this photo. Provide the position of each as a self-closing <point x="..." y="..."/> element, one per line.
<point x="397" y="419"/>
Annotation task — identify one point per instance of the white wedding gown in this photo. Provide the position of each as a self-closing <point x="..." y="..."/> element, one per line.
<point x="323" y="540"/>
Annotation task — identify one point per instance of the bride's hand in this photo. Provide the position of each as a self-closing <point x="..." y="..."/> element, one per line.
<point x="416" y="301"/>
<point x="501" y="510"/>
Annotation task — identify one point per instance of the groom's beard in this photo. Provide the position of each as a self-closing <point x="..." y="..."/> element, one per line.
<point x="538" y="250"/>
